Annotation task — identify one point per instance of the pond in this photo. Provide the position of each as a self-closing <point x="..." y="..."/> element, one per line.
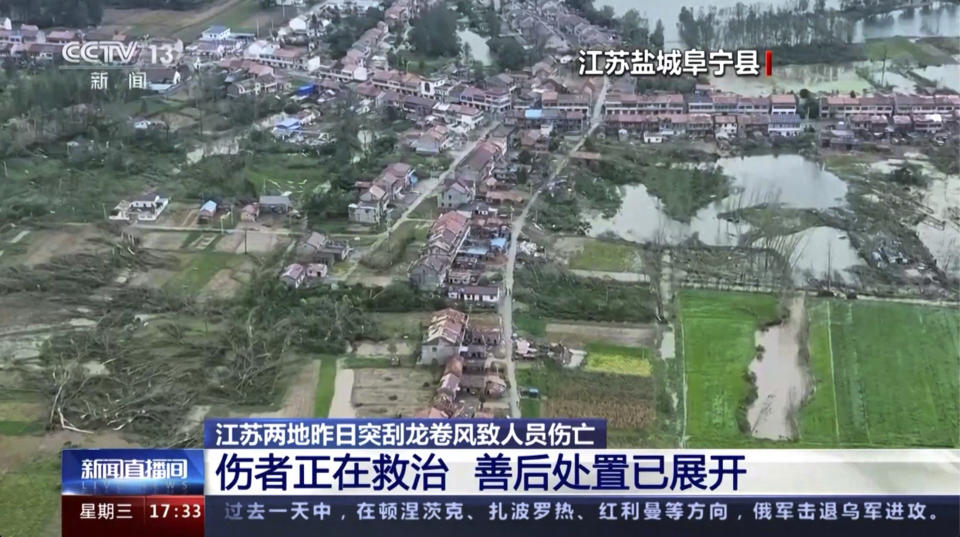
<point x="817" y="77"/>
<point x="789" y="180"/>
<point x="822" y="251"/>
<point x="945" y="76"/>
<point x="478" y="45"/>
<point x="941" y="20"/>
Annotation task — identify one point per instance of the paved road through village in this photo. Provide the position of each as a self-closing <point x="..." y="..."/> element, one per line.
<point x="506" y="305"/>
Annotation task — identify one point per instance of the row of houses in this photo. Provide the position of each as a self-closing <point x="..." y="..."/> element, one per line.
<point x="879" y="124"/>
<point x="840" y="106"/>
<point x="376" y="195"/>
<point x="788" y="125"/>
<point x="619" y="104"/>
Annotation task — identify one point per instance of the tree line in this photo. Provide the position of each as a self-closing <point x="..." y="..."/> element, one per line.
<point x="762" y="25"/>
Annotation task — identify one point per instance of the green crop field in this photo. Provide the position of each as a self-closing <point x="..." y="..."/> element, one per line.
<point x="605" y="358"/>
<point x="325" y="386"/>
<point x="606" y="255"/>
<point x="718" y="345"/>
<point x="29" y="496"/>
<point x="894" y="375"/>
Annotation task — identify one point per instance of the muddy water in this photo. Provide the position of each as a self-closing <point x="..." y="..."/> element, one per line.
<point x="823" y="250"/>
<point x="941" y="20"/>
<point x="941" y="232"/>
<point x="942" y="236"/>
<point x="945" y="76"/>
<point x="782" y="381"/>
<point x="479" y="50"/>
<point x="790" y="180"/>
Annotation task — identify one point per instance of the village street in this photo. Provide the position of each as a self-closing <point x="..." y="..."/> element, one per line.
<point x="427" y="188"/>
<point x="506" y="305"/>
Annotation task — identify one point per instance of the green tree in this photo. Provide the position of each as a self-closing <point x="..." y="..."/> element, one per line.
<point x="656" y="38"/>
<point x="491" y="21"/>
<point x="434" y="34"/>
<point x="509" y="53"/>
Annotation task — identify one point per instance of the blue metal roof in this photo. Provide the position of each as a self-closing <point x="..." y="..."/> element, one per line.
<point x="499" y="242"/>
<point x="306" y="89"/>
<point x="210" y="206"/>
<point x="289" y="123"/>
<point x="533" y="113"/>
<point x="476" y="250"/>
<point x="216" y="29"/>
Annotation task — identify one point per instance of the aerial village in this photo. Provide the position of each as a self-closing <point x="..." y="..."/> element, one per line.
<point x="350" y="227"/>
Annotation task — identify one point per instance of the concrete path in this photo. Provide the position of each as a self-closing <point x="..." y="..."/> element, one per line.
<point x="506" y="305"/>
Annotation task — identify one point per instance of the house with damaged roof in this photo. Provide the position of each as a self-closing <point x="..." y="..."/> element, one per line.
<point x="444" y="337"/>
<point x="444" y="241"/>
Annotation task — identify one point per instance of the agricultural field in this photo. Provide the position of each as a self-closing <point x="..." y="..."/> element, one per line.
<point x="886" y="375"/>
<point x="553" y="292"/>
<point x="637" y="408"/>
<point x="197" y="270"/>
<point x="605" y="358"/>
<point x="718" y="331"/>
<point x="239" y="15"/>
<point x="325" y="385"/>
<point x="606" y="256"/>
<point x="399" y="248"/>
<point x="391" y="392"/>
<point x="29" y="496"/>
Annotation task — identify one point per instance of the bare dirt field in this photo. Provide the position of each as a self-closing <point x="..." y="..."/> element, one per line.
<point x="15" y="450"/>
<point x="298" y="402"/>
<point x="153" y="278"/>
<point x="633" y="335"/>
<point x="387" y="393"/>
<point x="340" y="406"/>
<point x="159" y="20"/>
<point x="46" y="244"/>
<point x="226" y="282"/>
<point x="257" y="242"/>
<point x="163" y="240"/>
<point x="376" y="348"/>
<point x="177" y="121"/>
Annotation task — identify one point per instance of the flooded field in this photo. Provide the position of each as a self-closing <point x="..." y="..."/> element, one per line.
<point x="478" y="45"/>
<point x="815" y="77"/>
<point x="945" y="76"/>
<point x="940" y="20"/>
<point x="790" y="180"/>
<point x="823" y="250"/>
<point x="781" y="380"/>
<point x="942" y="236"/>
<point x="940" y="232"/>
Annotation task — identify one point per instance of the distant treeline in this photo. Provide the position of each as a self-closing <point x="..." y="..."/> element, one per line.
<point x="760" y="26"/>
<point x="80" y="13"/>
